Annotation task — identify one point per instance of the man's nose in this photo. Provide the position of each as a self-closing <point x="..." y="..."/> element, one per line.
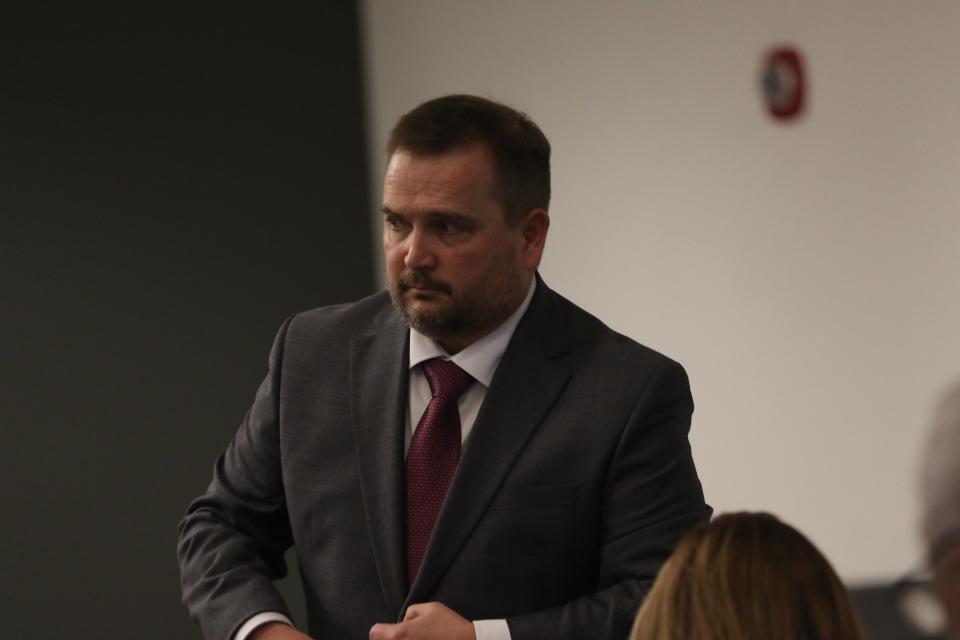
<point x="420" y="254"/>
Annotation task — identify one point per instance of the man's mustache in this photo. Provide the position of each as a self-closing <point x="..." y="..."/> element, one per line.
<point x="419" y="280"/>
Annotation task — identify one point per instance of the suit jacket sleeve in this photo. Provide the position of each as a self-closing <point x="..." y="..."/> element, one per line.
<point x="652" y="497"/>
<point x="233" y="538"/>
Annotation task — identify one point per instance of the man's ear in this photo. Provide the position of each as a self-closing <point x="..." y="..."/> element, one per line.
<point x="533" y="227"/>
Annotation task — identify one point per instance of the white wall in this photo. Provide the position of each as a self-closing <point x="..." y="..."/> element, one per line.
<point x="807" y="275"/>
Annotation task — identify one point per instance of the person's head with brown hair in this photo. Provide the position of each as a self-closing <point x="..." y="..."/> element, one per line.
<point x="747" y="576"/>
<point x="519" y="150"/>
<point x="465" y="217"/>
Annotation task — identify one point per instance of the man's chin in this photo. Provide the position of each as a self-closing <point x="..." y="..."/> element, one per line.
<point x="429" y="323"/>
<point x="437" y="321"/>
<point x="430" y="312"/>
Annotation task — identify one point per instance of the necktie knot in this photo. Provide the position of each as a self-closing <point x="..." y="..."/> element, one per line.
<point x="446" y="379"/>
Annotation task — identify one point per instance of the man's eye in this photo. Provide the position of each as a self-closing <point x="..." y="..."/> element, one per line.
<point x="447" y="227"/>
<point x="395" y="224"/>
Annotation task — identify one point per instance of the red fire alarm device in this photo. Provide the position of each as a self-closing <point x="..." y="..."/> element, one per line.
<point x="784" y="83"/>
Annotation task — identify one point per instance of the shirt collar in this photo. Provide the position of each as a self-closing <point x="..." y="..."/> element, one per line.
<point x="481" y="358"/>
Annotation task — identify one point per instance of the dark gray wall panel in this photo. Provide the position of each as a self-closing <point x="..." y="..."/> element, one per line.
<point x="173" y="183"/>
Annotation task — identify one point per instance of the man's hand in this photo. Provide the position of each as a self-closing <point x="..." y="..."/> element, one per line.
<point x="276" y="631"/>
<point x="428" y="621"/>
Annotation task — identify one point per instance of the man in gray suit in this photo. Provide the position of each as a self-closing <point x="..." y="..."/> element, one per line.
<point x="468" y="456"/>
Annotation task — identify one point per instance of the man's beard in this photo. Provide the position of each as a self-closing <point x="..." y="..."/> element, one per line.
<point x="463" y="319"/>
<point x="437" y="321"/>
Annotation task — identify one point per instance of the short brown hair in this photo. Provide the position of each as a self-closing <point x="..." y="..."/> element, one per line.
<point x="521" y="153"/>
<point x="747" y="576"/>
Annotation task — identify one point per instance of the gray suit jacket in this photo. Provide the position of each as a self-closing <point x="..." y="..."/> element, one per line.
<point x="572" y="489"/>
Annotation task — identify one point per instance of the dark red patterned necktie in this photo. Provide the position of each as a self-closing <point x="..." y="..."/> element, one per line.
<point x="433" y="456"/>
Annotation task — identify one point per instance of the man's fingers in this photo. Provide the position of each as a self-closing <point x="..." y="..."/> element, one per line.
<point x="384" y="631"/>
<point x="415" y="610"/>
<point x="426" y="621"/>
<point x="381" y="631"/>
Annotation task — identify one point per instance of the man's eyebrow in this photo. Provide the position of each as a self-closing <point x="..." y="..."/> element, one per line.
<point x="433" y="213"/>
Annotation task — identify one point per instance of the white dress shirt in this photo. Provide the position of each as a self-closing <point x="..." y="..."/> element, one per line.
<point x="480" y="360"/>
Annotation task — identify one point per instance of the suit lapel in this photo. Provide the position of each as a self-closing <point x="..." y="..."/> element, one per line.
<point x="378" y="393"/>
<point x="525" y="386"/>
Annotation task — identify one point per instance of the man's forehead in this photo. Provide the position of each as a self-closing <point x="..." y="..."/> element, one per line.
<point x="466" y="172"/>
